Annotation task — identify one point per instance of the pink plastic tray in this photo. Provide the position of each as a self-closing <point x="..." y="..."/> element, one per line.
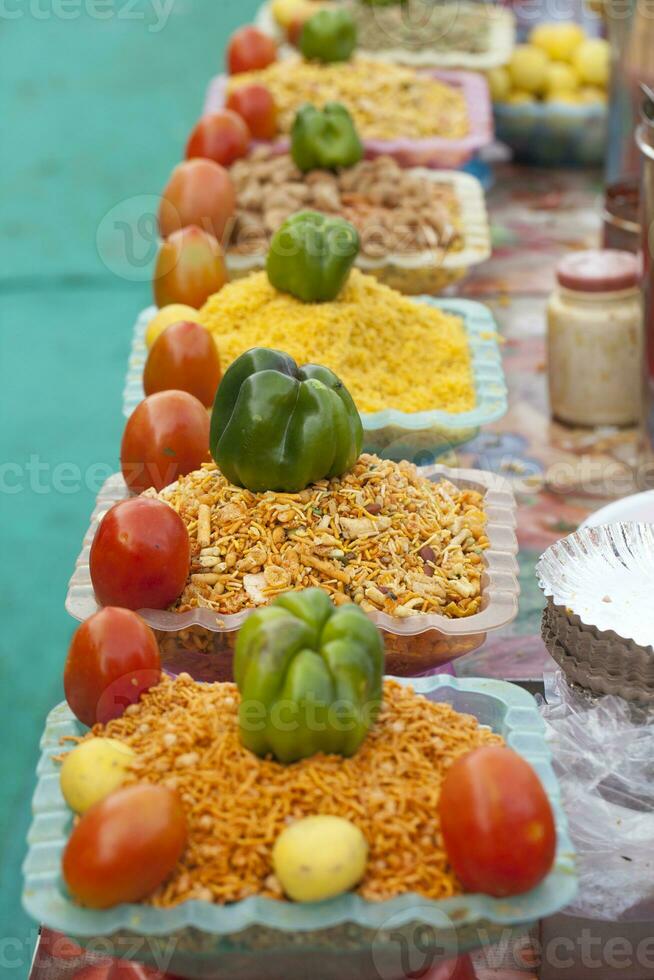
<point x="437" y="151"/>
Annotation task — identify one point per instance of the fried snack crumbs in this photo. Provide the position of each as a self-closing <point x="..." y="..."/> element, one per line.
<point x="388" y="350"/>
<point x="385" y="101"/>
<point x="185" y="735"/>
<point x="382" y="536"/>
<point x="395" y="211"/>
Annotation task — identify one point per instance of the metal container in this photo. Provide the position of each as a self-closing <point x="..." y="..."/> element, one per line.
<point x="645" y="141"/>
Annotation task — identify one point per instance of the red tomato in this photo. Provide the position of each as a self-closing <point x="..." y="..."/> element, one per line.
<point x="459" y="969"/>
<point x="140" y="556"/>
<point x="166" y="436"/>
<point x="112" y="659"/>
<point x="190" y="267"/>
<point x="249" y="49"/>
<point x="497" y="823"/>
<point x="255" y="104"/>
<point x="219" y="136"/>
<point x="184" y="357"/>
<point x="200" y="192"/>
<point x="294" y="30"/>
<point x="125" y="970"/>
<point x="125" y="846"/>
<point x="58" y="946"/>
<point x="96" y="971"/>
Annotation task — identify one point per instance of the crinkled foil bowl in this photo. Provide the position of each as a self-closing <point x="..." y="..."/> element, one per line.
<point x="599" y="620"/>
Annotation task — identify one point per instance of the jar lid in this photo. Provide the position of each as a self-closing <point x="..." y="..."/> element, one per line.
<point x="599" y="271"/>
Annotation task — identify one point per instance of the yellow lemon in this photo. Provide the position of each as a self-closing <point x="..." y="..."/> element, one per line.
<point x="528" y="68"/>
<point x="165" y="317"/>
<point x="591" y="95"/>
<point x="560" y="78"/>
<point x="558" y="40"/>
<point x="286" y="11"/>
<point x="592" y="61"/>
<point x="567" y="98"/>
<point x="499" y="83"/>
<point x="93" y="770"/>
<point x="520" y="98"/>
<point x="319" y="857"/>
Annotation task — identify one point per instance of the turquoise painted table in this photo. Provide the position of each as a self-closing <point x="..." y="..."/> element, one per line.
<point x="97" y="99"/>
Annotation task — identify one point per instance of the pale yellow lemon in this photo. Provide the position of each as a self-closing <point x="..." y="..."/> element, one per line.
<point x="558" y="40"/>
<point x="560" y="78"/>
<point x="520" y="98"/>
<point x="499" y="83"/>
<point x="592" y="61"/>
<point x="528" y="68"/>
<point x="93" y="770"/>
<point x="165" y="317"/>
<point x="592" y="95"/>
<point x="317" y="858"/>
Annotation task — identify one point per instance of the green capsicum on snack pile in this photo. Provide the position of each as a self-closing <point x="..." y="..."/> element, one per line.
<point x="277" y="426"/>
<point x="325" y="138"/>
<point x="328" y="36"/>
<point x="311" y="256"/>
<point x="309" y="675"/>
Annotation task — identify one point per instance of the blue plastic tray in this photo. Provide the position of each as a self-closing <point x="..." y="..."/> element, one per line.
<point x="345" y="938"/>
<point x="400" y="435"/>
<point x="553" y="134"/>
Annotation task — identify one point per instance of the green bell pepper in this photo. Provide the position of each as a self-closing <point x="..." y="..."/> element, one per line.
<point x="311" y="255"/>
<point x="310" y="677"/>
<point x="277" y="426"/>
<point x="328" y="36"/>
<point x="325" y="139"/>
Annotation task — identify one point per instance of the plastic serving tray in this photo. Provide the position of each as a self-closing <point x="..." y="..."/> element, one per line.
<point x="553" y="134"/>
<point x="428" y="271"/>
<point x="399" y="435"/>
<point x="201" y="642"/>
<point x="346" y="938"/>
<point x="436" y="151"/>
<point x="501" y="23"/>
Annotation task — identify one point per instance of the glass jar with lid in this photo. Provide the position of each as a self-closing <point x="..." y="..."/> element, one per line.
<point x="594" y="339"/>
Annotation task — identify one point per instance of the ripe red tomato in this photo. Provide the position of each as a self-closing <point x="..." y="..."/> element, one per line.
<point x="166" y="436"/>
<point x="59" y="946"/>
<point x="255" y="104"/>
<point x="112" y="659"/>
<point x="125" y="846"/>
<point x="124" y="970"/>
<point x="249" y="49"/>
<point x="190" y="268"/>
<point x="199" y="192"/>
<point x="497" y="822"/>
<point x="140" y="556"/>
<point x="184" y="357"/>
<point x="219" y="136"/>
<point x="95" y="971"/>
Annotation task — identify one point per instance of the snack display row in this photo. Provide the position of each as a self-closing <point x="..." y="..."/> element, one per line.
<point x="243" y="777"/>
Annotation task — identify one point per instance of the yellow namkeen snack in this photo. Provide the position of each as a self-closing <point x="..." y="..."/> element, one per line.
<point x="388" y="350"/>
<point x="185" y="735"/>
<point x="386" y="101"/>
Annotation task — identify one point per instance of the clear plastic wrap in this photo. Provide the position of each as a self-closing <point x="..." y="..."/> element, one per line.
<point x="603" y="751"/>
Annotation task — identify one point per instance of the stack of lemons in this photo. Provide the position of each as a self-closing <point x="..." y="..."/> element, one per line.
<point x="558" y="64"/>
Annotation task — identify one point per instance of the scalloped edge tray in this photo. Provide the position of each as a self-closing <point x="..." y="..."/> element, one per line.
<point x="574" y="549"/>
<point x="436" y="151"/>
<point x="475" y="231"/>
<point x="500" y="43"/>
<point x="503" y="706"/>
<point x="488" y="373"/>
<point x="500" y="585"/>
